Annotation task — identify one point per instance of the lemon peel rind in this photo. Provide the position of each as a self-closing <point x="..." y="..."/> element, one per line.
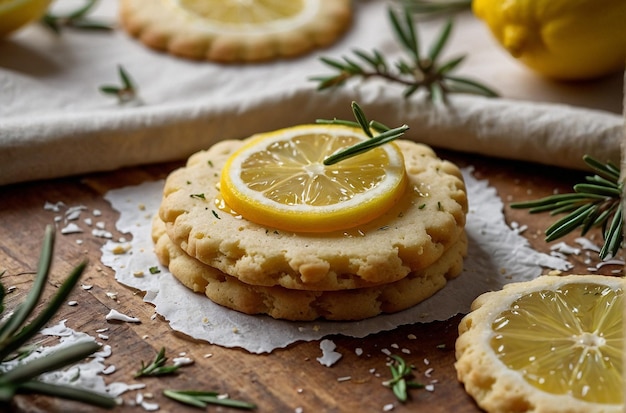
<point x="497" y="388"/>
<point x="299" y="218"/>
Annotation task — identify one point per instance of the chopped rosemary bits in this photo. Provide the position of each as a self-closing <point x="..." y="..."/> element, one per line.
<point x="127" y="92"/>
<point x="595" y="203"/>
<point x="157" y="367"/>
<point x="418" y="72"/>
<point x="401" y="375"/>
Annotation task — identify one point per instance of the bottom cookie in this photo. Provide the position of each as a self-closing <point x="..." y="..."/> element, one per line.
<point x="301" y="305"/>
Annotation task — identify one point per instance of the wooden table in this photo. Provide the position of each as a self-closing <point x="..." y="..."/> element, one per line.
<point x="282" y="381"/>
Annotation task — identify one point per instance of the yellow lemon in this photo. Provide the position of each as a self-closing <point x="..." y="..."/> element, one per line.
<point x="17" y="13"/>
<point x="561" y="39"/>
<point x="279" y="179"/>
<point x="547" y="345"/>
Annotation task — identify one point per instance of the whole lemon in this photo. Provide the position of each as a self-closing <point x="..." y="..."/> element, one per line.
<point x="561" y="39"/>
<point x="17" y="13"/>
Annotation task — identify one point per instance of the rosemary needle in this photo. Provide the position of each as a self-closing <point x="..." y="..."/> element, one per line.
<point x="76" y="19"/>
<point x="385" y="135"/>
<point x="203" y="399"/>
<point x="127" y="92"/>
<point x="157" y="367"/>
<point x="594" y="203"/>
<point x="22" y="325"/>
<point x="420" y="72"/>
<point x="401" y="375"/>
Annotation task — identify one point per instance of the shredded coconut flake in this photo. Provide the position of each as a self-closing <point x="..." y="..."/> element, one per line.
<point x="564" y="248"/>
<point x="329" y="355"/>
<point x="116" y="315"/>
<point x="182" y="361"/>
<point x="71" y="228"/>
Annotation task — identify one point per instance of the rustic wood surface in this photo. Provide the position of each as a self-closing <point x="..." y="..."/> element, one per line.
<point x="287" y="380"/>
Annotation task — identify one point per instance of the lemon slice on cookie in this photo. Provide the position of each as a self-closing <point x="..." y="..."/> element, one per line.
<point x="236" y="30"/>
<point x="547" y="345"/>
<point x="279" y="179"/>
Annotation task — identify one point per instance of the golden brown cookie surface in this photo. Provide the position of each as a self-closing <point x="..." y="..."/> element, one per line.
<point x="415" y="233"/>
<point x="303" y="305"/>
<point x="235" y="31"/>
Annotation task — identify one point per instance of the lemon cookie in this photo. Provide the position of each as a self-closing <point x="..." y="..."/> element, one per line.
<point x="302" y="305"/>
<point x="414" y="233"/>
<point x="235" y="30"/>
<point x="553" y="344"/>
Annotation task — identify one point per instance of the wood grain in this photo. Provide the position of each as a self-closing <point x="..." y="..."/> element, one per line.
<point x="282" y="381"/>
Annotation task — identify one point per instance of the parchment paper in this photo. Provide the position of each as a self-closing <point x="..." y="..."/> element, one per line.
<point x="497" y="255"/>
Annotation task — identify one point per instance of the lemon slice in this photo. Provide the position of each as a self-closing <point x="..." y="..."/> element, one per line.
<point x="17" y="13"/>
<point x="256" y="15"/>
<point x="547" y="345"/>
<point x="236" y="30"/>
<point x="279" y="180"/>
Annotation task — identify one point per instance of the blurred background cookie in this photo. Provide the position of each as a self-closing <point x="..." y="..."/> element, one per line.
<point x="235" y="31"/>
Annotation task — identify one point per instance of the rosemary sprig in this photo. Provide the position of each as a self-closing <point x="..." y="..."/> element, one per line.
<point x="419" y="72"/>
<point x="401" y="375"/>
<point x="157" y="367"/>
<point x="385" y="135"/>
<point x="15" y="332"/>
<point x="76" y="19"/>
<point x="127" y="92"/>
<point x="203" y="398"/>
<point x="595" y="203"/>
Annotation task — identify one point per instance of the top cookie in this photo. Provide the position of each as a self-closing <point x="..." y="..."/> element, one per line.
<point x="410" y="236"/>
<point x="235" y="31"/>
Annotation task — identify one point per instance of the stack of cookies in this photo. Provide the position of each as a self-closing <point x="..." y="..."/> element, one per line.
<point x="390" y="264"/>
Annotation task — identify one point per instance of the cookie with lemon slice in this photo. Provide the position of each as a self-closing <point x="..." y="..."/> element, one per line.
<point x="553" y="344"/>
<point x="269" y="212"/>
<point x="236" y="30"/>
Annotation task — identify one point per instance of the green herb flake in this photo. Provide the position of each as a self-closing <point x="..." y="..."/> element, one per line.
<point x="158" y="367"/>
<point x="401" y="378"/>
<point x="198" y="196"/>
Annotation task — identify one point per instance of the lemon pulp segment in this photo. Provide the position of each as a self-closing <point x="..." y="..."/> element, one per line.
<point x="566" y="341"/>
<point x="244" y="11"/>
<point x="250" y="15"/>
<point x="279" y="180"/>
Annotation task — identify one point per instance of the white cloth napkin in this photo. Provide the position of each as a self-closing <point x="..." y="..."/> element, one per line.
<point x="54" y="121"/>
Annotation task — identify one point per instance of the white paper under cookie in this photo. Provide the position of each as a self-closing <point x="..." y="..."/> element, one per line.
<point x="497" y="255"/>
